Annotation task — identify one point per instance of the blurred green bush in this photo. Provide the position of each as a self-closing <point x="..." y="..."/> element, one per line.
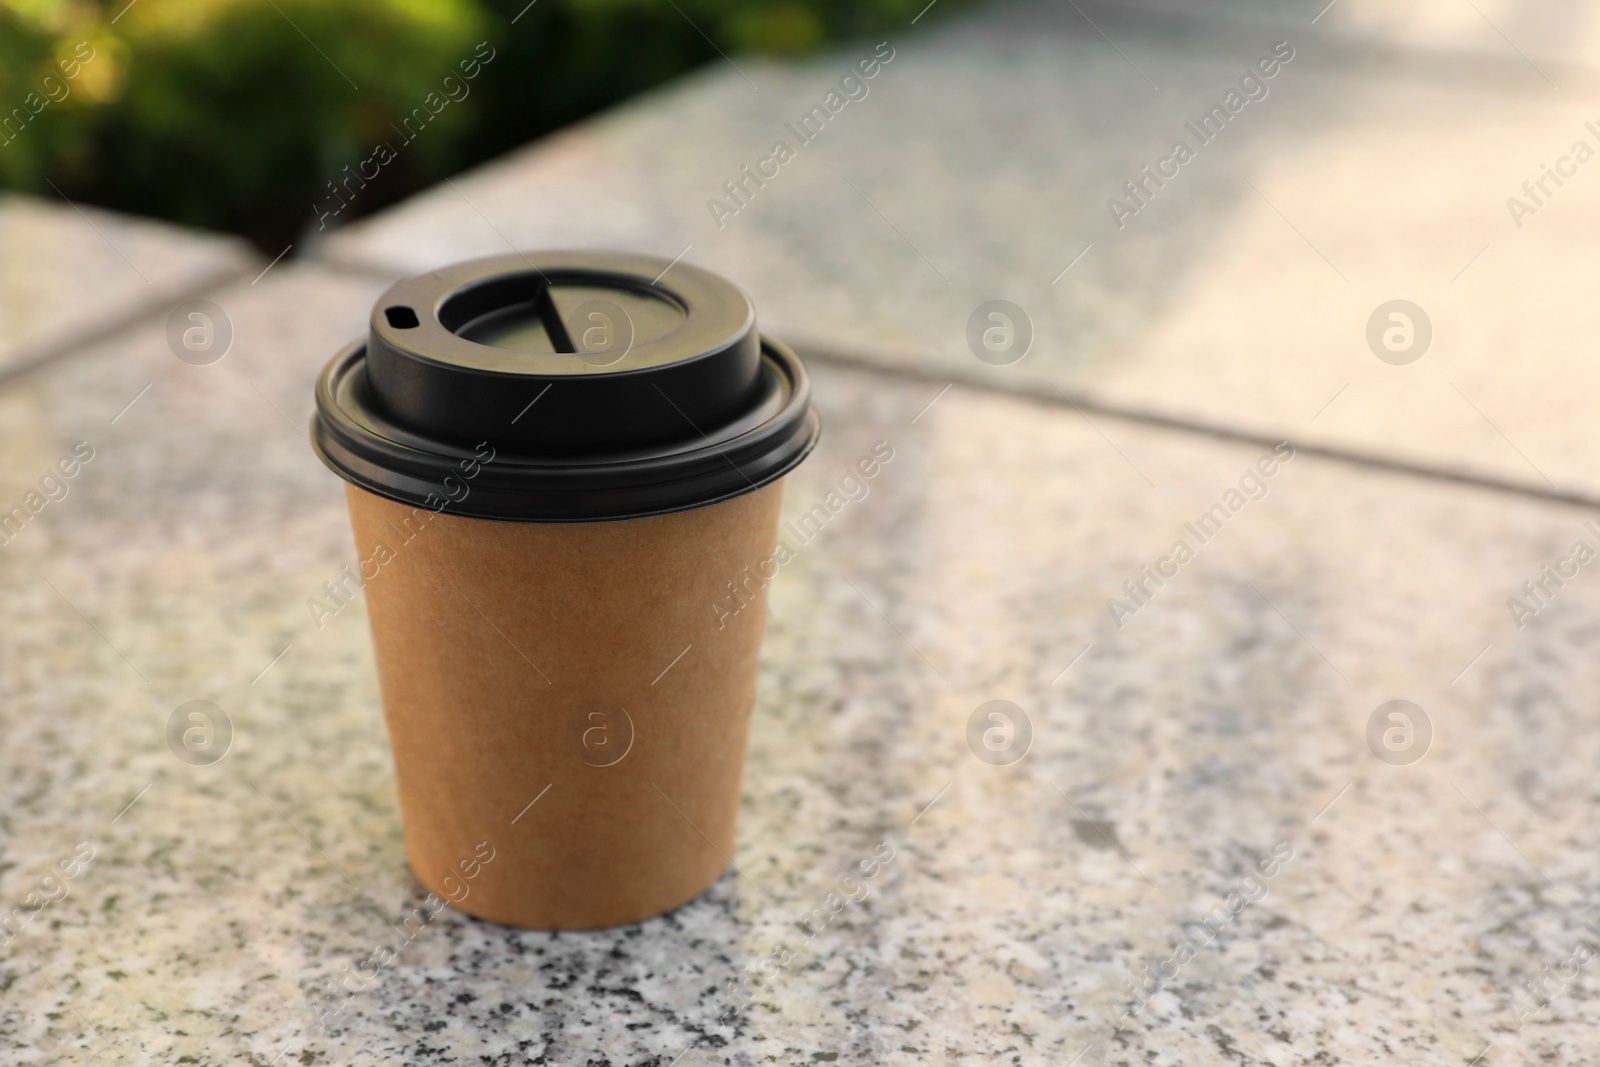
<point x="265" y="116"/>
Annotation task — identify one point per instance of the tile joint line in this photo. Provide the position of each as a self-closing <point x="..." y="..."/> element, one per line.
<point x="1042" y="392"/>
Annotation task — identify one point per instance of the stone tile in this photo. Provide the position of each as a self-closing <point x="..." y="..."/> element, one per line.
<point x="69" y="274"/>
<point x="981" y="165"/>
<point x="1167" y="759"/>
<point x="1545" y="36"/>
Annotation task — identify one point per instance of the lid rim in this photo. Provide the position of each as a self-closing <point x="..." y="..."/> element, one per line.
<point x="528" y="487"/>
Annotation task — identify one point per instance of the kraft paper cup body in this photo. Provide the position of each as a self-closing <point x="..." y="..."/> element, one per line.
<point x="572" y="701"/>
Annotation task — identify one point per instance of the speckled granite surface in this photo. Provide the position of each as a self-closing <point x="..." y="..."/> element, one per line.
<point x="69" y="273"/>
<point x="1554" y="34"/>
<point x="1376" y="165"/>
<point x="1224" y="726"/>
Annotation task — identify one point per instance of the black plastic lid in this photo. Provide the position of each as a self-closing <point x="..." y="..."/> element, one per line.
<point x="564" y="387"/>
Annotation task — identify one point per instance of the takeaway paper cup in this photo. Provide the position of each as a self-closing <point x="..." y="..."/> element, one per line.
<point x="564" y="482"/>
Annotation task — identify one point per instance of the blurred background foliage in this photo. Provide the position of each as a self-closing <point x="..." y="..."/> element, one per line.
<point x="244" y="115"/>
